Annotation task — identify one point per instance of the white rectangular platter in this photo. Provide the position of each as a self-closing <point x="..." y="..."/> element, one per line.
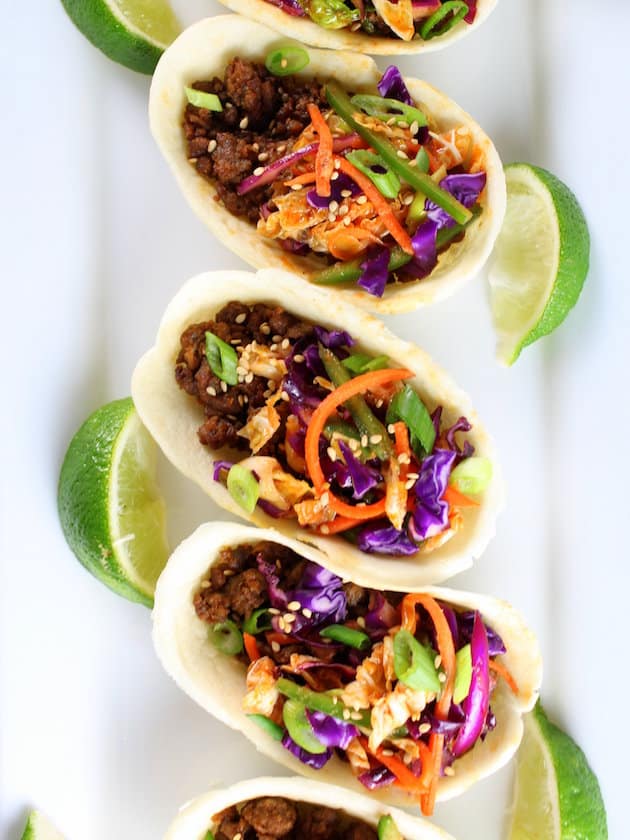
<point x="97" y="239"/>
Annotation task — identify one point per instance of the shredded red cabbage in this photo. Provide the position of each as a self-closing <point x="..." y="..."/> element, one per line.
<point x="294" y="247"/>
<point x="377" y="778"/>
<point x="218" y="466"/>
<point x="341" y="183"/>
<point x="465" y="187"/>
<point x="392" y="86"/>
<point x="310" y="759"/>
<point x="331" y="731"/>
<point x="375" y="271"/>
<point x="381" y="615"/>
<point x="382" y="538"/>
<point x="496" y="646"/>
<point x="430" y="514"/>
<point x="334" y="339"/>
<point x="291" y="7"/>
<point x="472" y="11"/>
<point x="425" y="251"/>
<point x="363" y="477"/>
<point x="477" y="704"/>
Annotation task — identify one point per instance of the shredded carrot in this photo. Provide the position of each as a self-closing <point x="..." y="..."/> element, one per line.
<point x="401" y="437"/>
<point x="251" y="646"/>
<point x="502" y="671"/>
<point x="357" y="385"/>
<point x="348" y="243"/>
<point x="436" y="747"/>
<point x="304" y="178"/>
<point x="324" y="157"/>
<point x="380" y="203"/>
<point x="457" y="499"/>
<point x="405" y="778"/>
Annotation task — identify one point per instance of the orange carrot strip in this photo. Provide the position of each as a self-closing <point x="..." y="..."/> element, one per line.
<point x="324" y="157"/>
<point x="251" y="646"/>
<point x="404" y="776"/>
<point x="357" y="385"/>
<point x="304" y="178"/>
<point x="457" y="499"/>
<point x="380" y="203"/>
<point x="436" y="747"/>
<point x="502" y="671"/>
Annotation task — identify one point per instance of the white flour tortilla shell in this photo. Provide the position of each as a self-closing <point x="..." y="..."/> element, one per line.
<point x="217" y="682"/>
<point x="203" y="51"/>
<point x="305" y="30"/>
<point x="196" y="817"/>
<point x="173" y="417"/>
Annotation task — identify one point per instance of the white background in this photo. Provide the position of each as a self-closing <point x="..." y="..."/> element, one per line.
<point x="95" y="241"/>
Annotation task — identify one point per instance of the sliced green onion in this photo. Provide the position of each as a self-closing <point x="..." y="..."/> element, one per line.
<point x="243" y="487"/>
<point x="284" y="61"/>
<point x="463" y="674"/>
<point x="346" y="635"/>
<point x="200" y="99"/>
<point x="222" y="359"/>
<point x="320" y="701"/>
<point x="341" y="104"/>
<point x="226" y="637"/>
<point x="299" y="727"/>
<point x="387" y="829"/>
<point x="450" y="13"/>
<point x="258" y="621"/>
<point x="360" y="363"/>
<point x="422" y="160"/>
<point x="385" y="109"/>
<point x="385" y="181"/>
<point x="268" y="726"/>
<point x="472" y="475"/>
<point x="407" y="406"/>
<point x="414" y="664"/>
<point x="416" y="212"/>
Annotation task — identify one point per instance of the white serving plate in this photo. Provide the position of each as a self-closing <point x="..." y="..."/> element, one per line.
<point x="98" y="239"/>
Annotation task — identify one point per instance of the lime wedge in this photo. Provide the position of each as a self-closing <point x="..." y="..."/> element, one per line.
<point x="38" y="828"/>
<point x="132" y="32"/>
<point x="110" y="508"/>
<point x="557" y="795"/>
<point x="540" y="259"/>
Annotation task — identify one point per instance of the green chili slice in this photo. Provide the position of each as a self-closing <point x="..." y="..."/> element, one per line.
<point x="299" y="727"/>
<point x="226" y="637"/>
<point x="472" y="475"/>
<point x="360" y="363"/>
<point x="387" y="829"/>
<point x="407" y="406"/>
<point x="463" y="674"/>
<point x="346" y="635"/>
<point x="331" y="14"/>
<point x="447" y="16"/>
<point x="200" y="99"/>
<point x="222" y="359"/>
<point x="385" y="181"/>
<point x="386" y="109"/>
<point x="319" y="701"/>
<point x="258" y="621"/>
<point x="414" y="664"/>
<point x="286" y="60"/>
<point x="243" y="487"/>
<point x="341" y="104"/>
<point x="268" y="726"/>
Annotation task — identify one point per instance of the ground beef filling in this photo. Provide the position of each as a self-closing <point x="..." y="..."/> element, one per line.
<point x="261" y="115"/>
<point x="228" y="408"/>
<point x="274" y="818"/>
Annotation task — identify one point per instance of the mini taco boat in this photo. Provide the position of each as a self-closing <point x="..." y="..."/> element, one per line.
<point x="273" y="808"/>
<point x="379" y="27"/>
<point x="410" y="696"/>
<point x="308" y="415"/>
<point x="394" y="197"/>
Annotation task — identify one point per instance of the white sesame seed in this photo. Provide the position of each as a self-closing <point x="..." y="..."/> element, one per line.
<point x="413" y="128"/>
<point x="449" y="771"/>
<point x="332" y="217"/>
<point x="255" y="147"/>
<point x="324" y="529"/>
<point x="364" y="440"/>
<point x="281" y="148"/>
<point x="388" y="753"/>
<point x="333" y="206"/>
<point x="391" y="428"/>
<point x="413" y="475"/>
<point x="376" y="438"/>
<point x="277" y="339"/>
<point x="298" y="358"/>
<point x="240" y="319"/>
<point x="361" y="621"/>
<point x="307" y="613"/>
<point x="337" y="166"/>
<point x="413" y="162"/>
<point x="408" y="199"/>
<point x="401" y="124"/>
<point x="409" y="483"/>
<point x="332" y="453"/>
<point x="379" y="402"/>
<point x="294" y="606"/>
<point x="346" y="716"/>
<point x="442" y="676"/>
<point x="402" y="154"/>
<point x="346" y="193"/>
<point x="244" y="123"/>
<point x="355" y="716"/>
<point x="273" y="611"/>
<point x="265" y="329"/>
<point x="424" y="728"/>
<point x="335" y="175"/>
<point x="212" y="391"/>
<point x="325" y="498"/>
<point x="437" y="661"/>
<point x="212" y="146"/>
<point x="263" y="156"/>
<point x="284" y="396"/>
<point x="344" y="209"/>
<point x="289" y="618"/>
<point x="224" y="387"/>
<point x="347" y="221"/>
<point x="259" y="170"/>
<point x="362" y="199"/>
<point x="205" y="584"/>
<point x="391" y="121"/>
<point x="284" y="63"/>
<point x="285" y="344"/>
<point x="296" y="187"/>
<point x="192" y="160"/>
<point x="249" y="378"/>
<point x="275" y="647"/>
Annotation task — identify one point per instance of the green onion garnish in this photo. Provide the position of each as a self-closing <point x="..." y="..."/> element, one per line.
<point x="268" y="726"/>
<point x="472" y="475"/>
<point x="319" y="701"/>
<point x="222" y="359"/>
<point x="226" y="637"/>
<point x="346" y="635"/>
<point x="387" y="829"/>
<point x="450" y="12"/>
<point x="422" y="160"/>
<point x="386" y="109"/>
<point x="385" y="181"/>
<point x="414" y="664"/>
<point x="258" y="621"/>
<point x="360" y="363"/>
<point x="407" y="406"/>
<point x="243" y="487"/>
<point x="463" y="674"/>
<point x="341" y="104"/>
<point x="200" y="99"/>
<point x="284" y="61"/>
<point x="299" y="727"/>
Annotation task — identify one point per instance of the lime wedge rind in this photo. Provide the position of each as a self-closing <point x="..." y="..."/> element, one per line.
<point x="38" y="827"/>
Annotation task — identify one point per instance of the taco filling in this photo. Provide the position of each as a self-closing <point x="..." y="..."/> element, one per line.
<point x="370" y="183"/>
<point x="277" y="818"/>
<point x="320" y="432"/>
<point x="406" y="19"/>
<point x="398" y="686"/>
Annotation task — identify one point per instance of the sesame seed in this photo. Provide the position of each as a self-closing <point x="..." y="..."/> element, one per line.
<point x="284" y="63"/>
<point x="332" y="453"/>
<point x="402" y="154"/>
<point x="284" y="396"/>
<point x="285" y="344"/>
<point x="401" y="124"/>
<point x="325" y="498"/>
<point x="334" y="176"/>
<point x="413" y="128"/>
<point x="277" y="339"/>
<point x="281" y="148"/>
<point x="362" y="199"/>
<point x="437" y="661"/>
<point x="307" y="613"/>
<point x="240" y="319"/>
<point x="212" y="146"/>
<point x="249" y="378"/>
<point x="265" y="329"/>
<point x="364" y="440"/>
<point x="263" y="156"/>
<point x="346" y="716"/>
<point x="332" y="217"/>
<point x="241" y="370"/>
<point x="354" y="444"/>
<point x="289" y="618"/>
<point x="335" y="700"/>
<point x="296" y="187"/>
<point x="404" y="458"/>
<point x="259" y="170"/>
<point x="271" y="383"/>
<point x="255" y="147"/>
<point x="324" y="529"/>
<point x="449" y="771"/>
<point x="229" y="105"/>
<point x="344" y="209"/>
<point x="376" y="438"/>
<point x="442" y="676"/>
<point x="355" y="716"/>
<point x="205" y="584"/>
<point x="273" y="611"/>
<point x="333" y="206"/>
<point x="347" y="221"/>
<point x="361" y="621"/>
<point x="413" y="475"/>
<point x="275" y="647"/>
<point x="238" y="836"/>
<point x="408" y="199"/>
<point x="424" y="728"/>
<point x="346" y="193"/>
<point x="245" y="399"/>
<point x="192" y="160"/>
<point x="391" y="121"/>
<point x="409" y="484"/>
<point x="337" y="166"/>
<point x="294" y="605"/>
<point x="413" y="162"/>
<point x="273" y="347"/>
<point x="379" y="403"/>
<point x="281" y="624"/>
<point x="391" y="428"/>
<point x="212" y="391"/>
<point x="244" y="123"/>
<point x="388" y="752"/>
<point x="224" y="387"/>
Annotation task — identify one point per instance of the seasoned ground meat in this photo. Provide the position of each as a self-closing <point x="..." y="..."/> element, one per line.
<point x="246" y="592"/>
<point x="261" y="113"/>
<point x="229" y="408"/>
<point x="276" y="818"/>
